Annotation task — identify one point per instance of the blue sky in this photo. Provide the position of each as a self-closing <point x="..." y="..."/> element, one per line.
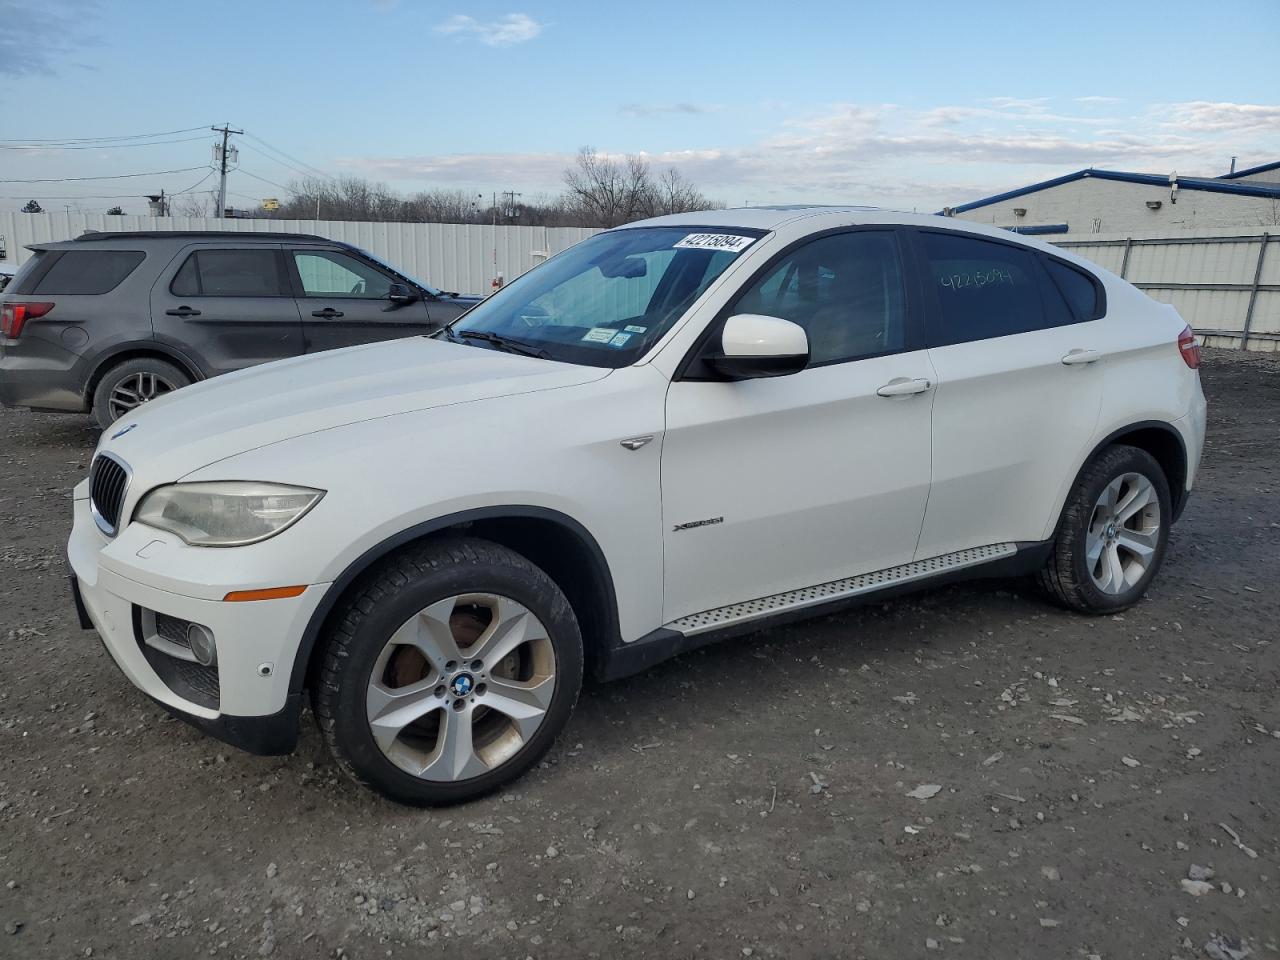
<point x="906" y="104"/>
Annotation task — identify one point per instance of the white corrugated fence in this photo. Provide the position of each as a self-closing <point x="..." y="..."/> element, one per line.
<point x="451" y="256"/>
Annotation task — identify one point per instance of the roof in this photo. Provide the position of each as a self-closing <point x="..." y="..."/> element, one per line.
<point x="1215" y="185"/>
<point x="1261" y="168"/>
<point x="236" y="235"/>
<point x="760" y="218"/>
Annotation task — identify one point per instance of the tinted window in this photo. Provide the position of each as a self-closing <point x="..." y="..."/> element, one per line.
<point x="229" y="273"/>
<point x="983" y="289"/>
<point x="88" y="271"/>
<point x="1076" y="288"/>
<point x="845" y="290"/>
<point x="326" y="274"/>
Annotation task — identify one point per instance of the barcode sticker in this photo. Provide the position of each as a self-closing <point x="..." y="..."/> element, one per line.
<point x="715" y="241"/>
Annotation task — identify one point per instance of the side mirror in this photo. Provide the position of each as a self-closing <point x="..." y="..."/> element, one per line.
<point x="754" y="346"/>
<point x="402" y="293"/>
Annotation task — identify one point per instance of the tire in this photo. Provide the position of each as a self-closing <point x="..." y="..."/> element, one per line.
<point x="434" y="593"/>
<point x="1122" y="475"/>
<point x="143" y="378"/>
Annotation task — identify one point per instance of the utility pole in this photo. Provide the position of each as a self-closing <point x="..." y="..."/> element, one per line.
<point x="223" y="158"/>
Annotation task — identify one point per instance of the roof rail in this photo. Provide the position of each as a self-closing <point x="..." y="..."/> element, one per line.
<point x="90" y="235"/>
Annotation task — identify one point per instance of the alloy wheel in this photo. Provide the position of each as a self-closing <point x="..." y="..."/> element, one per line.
<point x="461" y="687"/>
<point x="135" y="390"/>
<point x="1123" y="534"/>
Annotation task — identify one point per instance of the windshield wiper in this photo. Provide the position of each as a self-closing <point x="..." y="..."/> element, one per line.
<point x="503" y="343"/>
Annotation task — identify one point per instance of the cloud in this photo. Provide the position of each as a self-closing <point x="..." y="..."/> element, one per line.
<point x="504" y="32"/>
<point x="1097" y="100"/>
<point x="37" y="38"/>
<point x="890" y="155"/>
<point x="1202" y="116"/>
<point x="655" y="109"/>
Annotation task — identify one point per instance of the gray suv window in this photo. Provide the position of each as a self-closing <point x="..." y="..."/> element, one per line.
<point x="327" y="274"/>
<point x="88" y="272"/>
<point x="230" y="273"/>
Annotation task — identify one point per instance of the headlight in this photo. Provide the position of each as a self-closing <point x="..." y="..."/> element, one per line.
<point x="225" y="514"/>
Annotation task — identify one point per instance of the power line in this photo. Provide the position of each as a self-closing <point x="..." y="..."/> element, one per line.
<point x="114" y="176"/>
<point x="263" y="179"/>
<point x="287" y="166"/>
<point x="130" y="136"/>
<point x="99" y="146"/>
<point x="316" y="170"/>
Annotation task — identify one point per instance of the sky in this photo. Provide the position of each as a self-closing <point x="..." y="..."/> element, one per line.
<point x="908" y="105"/>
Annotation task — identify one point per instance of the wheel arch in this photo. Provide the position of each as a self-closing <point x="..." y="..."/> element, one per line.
<point x="1158" y="438"/>
<point x="135" y="351"/>
<point x="552" y="541"/>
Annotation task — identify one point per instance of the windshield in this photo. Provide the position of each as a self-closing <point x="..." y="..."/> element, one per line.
<point x="606" y="300"/>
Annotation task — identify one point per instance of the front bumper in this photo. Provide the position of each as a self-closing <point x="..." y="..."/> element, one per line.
<point x="254" y="707"/>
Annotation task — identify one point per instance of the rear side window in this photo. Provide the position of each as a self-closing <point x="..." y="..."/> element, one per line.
<point x="1080" y="292"/>
<point x="982" y="289"/>
<point x="22" y="278"/>
<point x="230" y="273"/>
<point x="87" y="272"/>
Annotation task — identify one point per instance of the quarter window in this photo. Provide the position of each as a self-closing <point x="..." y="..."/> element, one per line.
<point x="845" y="290"/>
<point x="229" y="273"/>
<point x="326" y="274"/>
<point x="982" y="289"/>
<point x="88" y="272"/>
<point x="1076" y="288"/>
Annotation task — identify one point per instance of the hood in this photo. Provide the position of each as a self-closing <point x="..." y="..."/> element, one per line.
<point x="210" y="421"/>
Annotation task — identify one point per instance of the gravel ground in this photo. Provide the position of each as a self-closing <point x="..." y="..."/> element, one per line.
<point x="764" y="798"/>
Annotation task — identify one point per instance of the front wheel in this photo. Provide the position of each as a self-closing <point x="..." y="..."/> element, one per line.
<point x="451" y="671"/>
<point x="1113" y="533"/>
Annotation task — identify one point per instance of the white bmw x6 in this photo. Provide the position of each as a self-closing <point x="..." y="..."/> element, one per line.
<point x="675" y="431"/>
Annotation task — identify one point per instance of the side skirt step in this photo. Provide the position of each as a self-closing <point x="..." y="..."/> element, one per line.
<point x="748" y="610"/>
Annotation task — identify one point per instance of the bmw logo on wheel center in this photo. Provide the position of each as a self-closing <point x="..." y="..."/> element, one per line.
<point x="462" y="685"/>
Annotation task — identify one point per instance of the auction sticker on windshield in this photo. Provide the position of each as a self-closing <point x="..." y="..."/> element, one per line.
<point x="715" y="241"/>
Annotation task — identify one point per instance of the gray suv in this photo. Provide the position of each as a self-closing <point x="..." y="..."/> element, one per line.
<point x="107" y="321"/>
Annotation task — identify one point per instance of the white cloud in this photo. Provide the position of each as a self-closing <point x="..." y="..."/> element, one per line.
<point x="894" y="156"/>
<point x="656" y="109"/>
<point x="1202" y="116"/>
<point x="504" y="32"/>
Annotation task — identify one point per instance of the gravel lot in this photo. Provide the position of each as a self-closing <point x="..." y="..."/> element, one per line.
<point x="752" y="799"/>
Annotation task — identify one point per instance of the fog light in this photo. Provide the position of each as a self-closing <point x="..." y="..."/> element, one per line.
<point x="200" y="640"/>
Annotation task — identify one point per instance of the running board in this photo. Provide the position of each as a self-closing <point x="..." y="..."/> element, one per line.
<point x="838" y="589"/>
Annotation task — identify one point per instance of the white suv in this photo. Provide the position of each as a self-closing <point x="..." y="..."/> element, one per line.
<point x="674" y="431"/>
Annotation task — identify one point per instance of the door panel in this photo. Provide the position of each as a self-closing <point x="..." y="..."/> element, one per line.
<point x="1014" y="406"/>
<point x="806" y="479"/>
<point x="227" y="308"/>
<point x="798" y="480"/>
<point x="343" y="301"/>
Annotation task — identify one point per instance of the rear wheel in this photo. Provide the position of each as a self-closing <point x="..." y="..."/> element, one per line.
<point x="451" y="672"/>
<point x="128" y="385"/>
<point x="1113" y="533"/>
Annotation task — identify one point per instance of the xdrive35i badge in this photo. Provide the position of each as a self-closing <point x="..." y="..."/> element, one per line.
<point x="697" y="523"/>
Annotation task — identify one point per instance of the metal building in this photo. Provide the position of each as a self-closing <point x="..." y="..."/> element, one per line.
<point x="1112" y="201"/>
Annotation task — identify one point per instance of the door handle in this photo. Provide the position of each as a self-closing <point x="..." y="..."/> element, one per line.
<point x="1081" y="356"/>
<point x="903" y="387"/>
<point x="183" y="311"/>
<point x="327" y="313"/>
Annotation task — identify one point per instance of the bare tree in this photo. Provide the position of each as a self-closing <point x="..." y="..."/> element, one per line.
<point x="607" y="192"/>
<point x="672" y="193"/>
<point x="32" y="207"/>
<point x="116" y="211"/>
<point x="190" y="205"/>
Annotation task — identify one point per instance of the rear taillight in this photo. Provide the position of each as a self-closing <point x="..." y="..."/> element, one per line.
<point x="1189" y="347"/>
<point x="14" y="316"/>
